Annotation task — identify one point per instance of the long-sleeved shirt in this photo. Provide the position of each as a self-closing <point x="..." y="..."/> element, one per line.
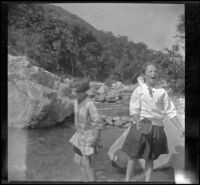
<point x="87" y="120"/>
<point x="154" y="107"/>
<point x="87" y="116"/>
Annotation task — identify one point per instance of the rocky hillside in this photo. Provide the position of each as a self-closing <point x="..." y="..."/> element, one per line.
<point x="64" y="44"/>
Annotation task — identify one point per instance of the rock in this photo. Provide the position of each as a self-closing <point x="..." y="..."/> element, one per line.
<point x="103" y="89"/>
<point x="113" y="96"/>
<point x="109" y="126"/>
<point x="116" y="85"/>
<point x="100" y="98"/>
<point x="36" y="98"/>
<point x="116" y="118"/>
<point x="31" y="104"/>
<point x="63" y="89"/>
<point x="93" y="83"/>
<point x="126" y="95"/>
<point x="21" y="68"/>
<point x="126" y="125"/>
<point x="126" y="119"/>
<point x="109" y="120"/>
<point x="130" y="87"/>
<point x="118" y="123"/>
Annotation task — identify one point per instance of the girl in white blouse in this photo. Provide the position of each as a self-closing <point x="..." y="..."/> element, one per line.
<point x="150" y="104"/>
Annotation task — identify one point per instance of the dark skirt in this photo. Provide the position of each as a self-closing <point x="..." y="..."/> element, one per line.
<point x="146" y="146"/>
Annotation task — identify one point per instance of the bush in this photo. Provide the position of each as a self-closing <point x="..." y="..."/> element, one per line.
<point x="128" y="82"/>
<point x="178" y="86"/>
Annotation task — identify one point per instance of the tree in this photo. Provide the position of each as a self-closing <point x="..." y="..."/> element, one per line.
<point x="180" y="28"/>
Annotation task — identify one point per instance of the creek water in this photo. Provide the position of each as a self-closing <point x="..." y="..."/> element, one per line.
<point x="47" y="155"/>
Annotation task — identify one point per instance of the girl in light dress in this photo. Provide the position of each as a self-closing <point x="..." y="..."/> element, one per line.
<point x="149" y="105"/>
<point x="88" y="125"/>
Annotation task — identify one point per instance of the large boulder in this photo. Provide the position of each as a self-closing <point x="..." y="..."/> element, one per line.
<point x="36" y="98"/>
<point x="21" y="68"/>
<point x="33" y="105"/>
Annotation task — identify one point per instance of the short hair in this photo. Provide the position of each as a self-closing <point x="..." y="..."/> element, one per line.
<point x="81" y="85"/>
<point x="146" y="64"/>
<point x="140" y="76"/>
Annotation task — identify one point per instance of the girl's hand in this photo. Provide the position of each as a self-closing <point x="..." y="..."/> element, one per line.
<point x="136" y="119"/>
<point x="97" y="135"/>
<point x="138" y="125"/>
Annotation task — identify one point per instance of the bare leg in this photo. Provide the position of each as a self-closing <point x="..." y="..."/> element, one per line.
<point x="130" y="168"/>
<point x="79" y="161"/>
<point x="149" y="169"/>
<point x="89" y="168"/>
<point x="84" y="173"/>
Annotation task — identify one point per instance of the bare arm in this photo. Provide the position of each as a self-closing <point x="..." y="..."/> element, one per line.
<point x="136" y="118"/>
<point x="76" y="114"/>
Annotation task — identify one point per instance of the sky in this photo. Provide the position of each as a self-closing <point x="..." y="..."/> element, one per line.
<point x="153" y="24"/>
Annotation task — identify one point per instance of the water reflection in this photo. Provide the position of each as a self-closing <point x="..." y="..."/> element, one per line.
<point x="46" y="155"/>
<point x="17" y="153"/>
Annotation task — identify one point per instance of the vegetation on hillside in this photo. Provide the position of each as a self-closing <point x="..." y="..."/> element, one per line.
<point x="64" y="44"/>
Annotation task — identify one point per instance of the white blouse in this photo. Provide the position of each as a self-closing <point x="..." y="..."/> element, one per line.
<point x="154" y="107"/>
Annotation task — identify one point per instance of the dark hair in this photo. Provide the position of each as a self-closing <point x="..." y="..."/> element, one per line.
<point x="146" y="64"/>
<point x="81" y="85"/>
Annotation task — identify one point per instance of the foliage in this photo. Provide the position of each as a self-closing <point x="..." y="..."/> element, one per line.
<point x="180" y="28"/>
<point x="64" y="44"/>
